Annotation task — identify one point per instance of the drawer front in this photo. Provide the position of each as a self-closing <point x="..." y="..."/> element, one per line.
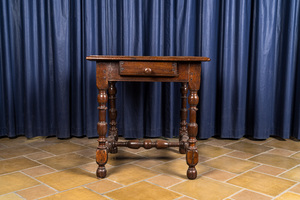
<point x="137" y="68"/>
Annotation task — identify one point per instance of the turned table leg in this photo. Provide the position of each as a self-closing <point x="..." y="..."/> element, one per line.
<point x="193" y="100"/>
<point x="183" y="134"/>
<point x="101" y="154"/>
<point x="113" y="131"/>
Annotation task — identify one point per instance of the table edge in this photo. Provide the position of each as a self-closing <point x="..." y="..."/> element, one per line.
<point x="148" y="58"/>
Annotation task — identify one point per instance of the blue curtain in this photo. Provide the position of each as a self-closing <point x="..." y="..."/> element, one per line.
<point x="251" y="86"/>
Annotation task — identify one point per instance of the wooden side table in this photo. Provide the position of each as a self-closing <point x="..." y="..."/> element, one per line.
<point x="111" y="69"/>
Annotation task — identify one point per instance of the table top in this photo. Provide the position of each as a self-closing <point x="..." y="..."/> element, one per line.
<point x="147" y="58"/>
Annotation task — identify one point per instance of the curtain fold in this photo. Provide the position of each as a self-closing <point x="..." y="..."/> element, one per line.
<point x="250" y="87"/>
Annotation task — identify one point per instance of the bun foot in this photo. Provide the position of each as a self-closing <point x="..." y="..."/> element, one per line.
<point x="101" y="172"/>
<point x="192" y="173"/>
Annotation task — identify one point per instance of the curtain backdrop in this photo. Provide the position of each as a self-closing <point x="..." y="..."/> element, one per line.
<point x="250" y="87"/>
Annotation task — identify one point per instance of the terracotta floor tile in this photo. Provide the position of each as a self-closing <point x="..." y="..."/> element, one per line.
<point x="296" y="156"/>
<point x="89" y="153"/>
<point x="148" y="163"/>
<point x="122" y="157"/>
<point x="62" y="148"/>
<point x="65" y="161"/>
<point x="186" y="198"/>
<point x="10" y="196"/>
<point x="2" y="146"/>
<point x="293" y="174"/>
<point x="254" y="141"/>
<point x="38" y="171"/>
<point x="127" y="174"/>
<point x="206" y="189"/>
<point x="221" y="142"/>
<point x="161" y="154"/>
<point x="36" y="192"/>
<point x="262" y="183"/>
<point x="164" y="180"/>
<point x="77" y="193"/>
<point x="142" y="190"/>
<point x="11" y="142"/>
<point x="83" y="141"/>
<point x="67" y="179"/>
<point x="241" y="154"/>
<point x="39" y="155"/>
<point x="276" y="160"/>
<point x="229" y="164"/>
<point x="289" y="196"/>
<point x="132" y="150"/>
<point x="249" y="195"/>
<point x="248" y="147"/>
<point x="103" y="186"/>
<point x="281" y="152"/>
<point x="269" y="170"/>
<point x="41" y="142"/>
<point x="15" y="181"/>
<point x="211" y="151"/>
<point x="178" y="168"/>
<point x="296" y="189"/>
<point x="16" y="164"/>
<point x="219" y="175"/>
<point x="17" y="151"/>
<point x="287" y="144"/>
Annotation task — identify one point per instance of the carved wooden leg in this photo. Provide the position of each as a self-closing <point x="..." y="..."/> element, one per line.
<point x="192" y="152"/>
<point x="101" y="154"/>
<point x="183" y="134"/>
<point x="113" y="131"/>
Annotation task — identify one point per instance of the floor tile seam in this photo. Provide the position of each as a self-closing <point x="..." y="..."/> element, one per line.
<point x="273" y="165"/>
<point x="264" y="174"/>
<point x="285" y="191"/>
<point x="182" y="181"/>
<point x="135" y="163"/>
<point x="252" y="153"/>
<point x="185" y="196"/>
<point x="14" y="192"/>
<point x="165" y="188"/>
<point x="159" y="164"/>
<point x="61" y="170"/>
<point x="212" y="169"/>
<point x="262" y="164"/>
<point x="295" y="152"/>
<point x="41" y="164"/>
<point x="166" y="162"/>
<point x="222" y="145"/>
<point x="252" y="169"/>
<point x="136" y="182"/>
<point x="289" y="170"/>
<point x="43" y="152"/>
<point x="230" y="196"/>
<point x="245" y="189"/>
<point x="34" y="178"/>
<point x="58" y="192"/>
<point x="101" y="194"/>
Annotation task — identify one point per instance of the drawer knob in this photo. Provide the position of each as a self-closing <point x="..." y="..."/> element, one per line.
<point x="148" y="70"/>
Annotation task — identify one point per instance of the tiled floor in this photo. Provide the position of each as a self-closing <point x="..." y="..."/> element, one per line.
<point x="49" y="168"/>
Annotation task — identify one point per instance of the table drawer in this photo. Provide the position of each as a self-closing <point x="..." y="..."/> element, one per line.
<point x="137" y="68"/>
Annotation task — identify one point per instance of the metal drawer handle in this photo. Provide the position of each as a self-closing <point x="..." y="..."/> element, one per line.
<point x="148" y="70"/>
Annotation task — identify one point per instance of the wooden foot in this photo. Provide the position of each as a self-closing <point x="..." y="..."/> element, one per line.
<point x="101" y="172"/>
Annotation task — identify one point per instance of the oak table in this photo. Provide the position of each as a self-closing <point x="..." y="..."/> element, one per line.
<point x="110" y="69"/>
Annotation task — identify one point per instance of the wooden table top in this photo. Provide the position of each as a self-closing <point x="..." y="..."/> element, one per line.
<point x="148" y="58"/>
